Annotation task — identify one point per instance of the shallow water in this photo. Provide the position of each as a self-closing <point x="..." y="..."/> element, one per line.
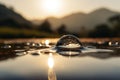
<point x="21" y="62"/>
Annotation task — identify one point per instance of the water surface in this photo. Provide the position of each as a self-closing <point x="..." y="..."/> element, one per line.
<point x="28" y="65"/>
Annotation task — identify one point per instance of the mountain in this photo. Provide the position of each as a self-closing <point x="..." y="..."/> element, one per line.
<point x="76" y="21"/>
<point x="8" y="17"/>
<point x="55" y="22"/>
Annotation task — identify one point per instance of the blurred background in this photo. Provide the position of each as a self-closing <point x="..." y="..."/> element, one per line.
<point x="53" y="18"/>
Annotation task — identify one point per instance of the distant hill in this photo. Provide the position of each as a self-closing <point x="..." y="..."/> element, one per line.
<point x="8" y="17"/>
<point x="75" y="21"/>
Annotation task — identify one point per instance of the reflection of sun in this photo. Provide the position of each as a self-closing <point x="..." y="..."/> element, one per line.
<point x="47" y="42"/>
<point x="51" y="73"/>
<point x="50" y="61"/>
<point x="51" y="6"/>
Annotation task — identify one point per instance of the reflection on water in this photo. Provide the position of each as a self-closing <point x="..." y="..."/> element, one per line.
<point x="24" y="61"/>
<point x="51" y="73"/>
<point x="50" y="61"/>
<point x="47" y="42"/>
<point x="69" y="53"/>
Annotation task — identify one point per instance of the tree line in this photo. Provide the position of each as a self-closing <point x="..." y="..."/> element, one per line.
<point x="110" y="29"/>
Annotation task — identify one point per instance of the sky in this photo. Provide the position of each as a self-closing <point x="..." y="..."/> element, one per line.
<point x="41" y="9"/>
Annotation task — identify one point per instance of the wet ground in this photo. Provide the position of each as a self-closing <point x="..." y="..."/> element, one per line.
<point x="22" y="60"/>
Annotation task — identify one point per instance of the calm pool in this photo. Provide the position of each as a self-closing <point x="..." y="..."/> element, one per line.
<point x="28" y="66"/>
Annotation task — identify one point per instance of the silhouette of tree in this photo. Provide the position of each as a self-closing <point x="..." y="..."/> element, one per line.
<point x="62" y="29"/>
<point x="83" y="32"/>
<point x="102" y="30"/>
<point x="115" y="21"/>
<point x="45" y="27"/>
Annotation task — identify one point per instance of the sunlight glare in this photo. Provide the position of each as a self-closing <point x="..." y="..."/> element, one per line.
<point x="51" y="6"/>
<point x="50" y="61"/>
<point x="47" y="42"/>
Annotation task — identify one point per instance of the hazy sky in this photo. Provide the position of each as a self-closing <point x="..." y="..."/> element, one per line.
<point x="40" y="9"/>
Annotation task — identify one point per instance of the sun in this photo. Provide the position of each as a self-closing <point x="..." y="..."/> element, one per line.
<point x="51" y="6"/>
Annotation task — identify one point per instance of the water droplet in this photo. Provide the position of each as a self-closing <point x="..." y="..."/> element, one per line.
<point x="69" y="42"/>
<point x="68" y="45"/>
